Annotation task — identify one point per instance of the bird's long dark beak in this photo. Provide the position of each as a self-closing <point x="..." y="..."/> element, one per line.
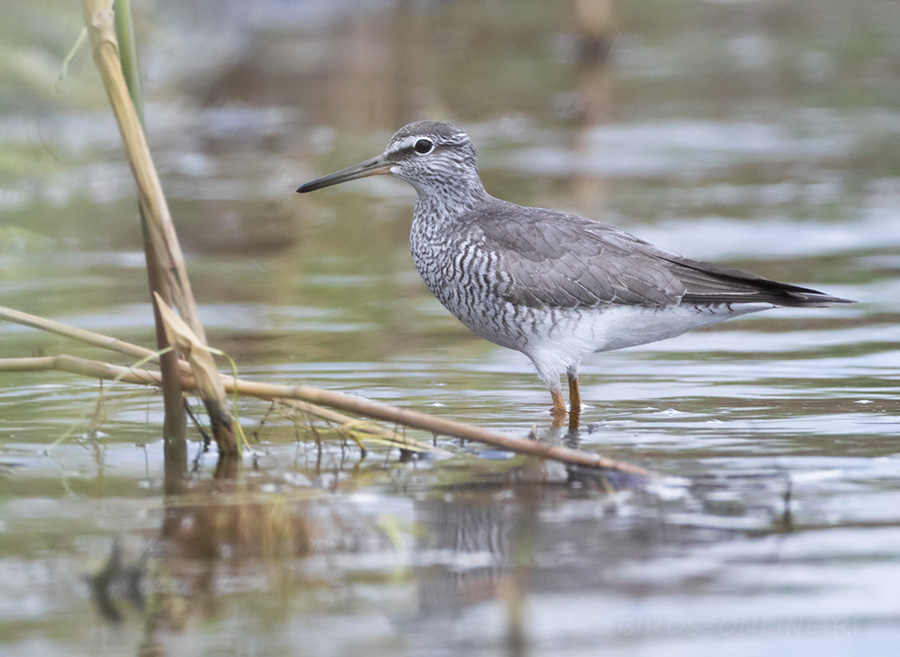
<point x="377" y="166"/>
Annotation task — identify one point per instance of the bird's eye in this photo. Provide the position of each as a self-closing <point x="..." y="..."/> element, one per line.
<point x="423" y="146"/>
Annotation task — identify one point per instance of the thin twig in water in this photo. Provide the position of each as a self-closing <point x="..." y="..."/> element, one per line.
<point x="357" y="405"/>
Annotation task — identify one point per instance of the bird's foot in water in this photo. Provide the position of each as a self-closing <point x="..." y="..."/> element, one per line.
<point x="560" y="412"/>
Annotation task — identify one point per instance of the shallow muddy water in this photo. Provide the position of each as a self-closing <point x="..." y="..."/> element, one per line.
<point x="764" y="136"/>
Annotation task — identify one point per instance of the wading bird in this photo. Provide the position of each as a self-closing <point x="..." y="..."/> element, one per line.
<point x="553" y="285"/>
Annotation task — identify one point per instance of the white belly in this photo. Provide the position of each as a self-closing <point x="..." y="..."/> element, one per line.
<point x="559" y="341"/>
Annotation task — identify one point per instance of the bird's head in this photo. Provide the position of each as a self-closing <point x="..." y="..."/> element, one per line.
<point x="434" y="157"/>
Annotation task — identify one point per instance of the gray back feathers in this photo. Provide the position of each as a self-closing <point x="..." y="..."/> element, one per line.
<point x="546" y="259"/>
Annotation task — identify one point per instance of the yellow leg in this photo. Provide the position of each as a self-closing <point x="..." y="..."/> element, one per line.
<point x="559" y="405"/>
<point x="574" y="402"/>
<point x="574" y="395"/>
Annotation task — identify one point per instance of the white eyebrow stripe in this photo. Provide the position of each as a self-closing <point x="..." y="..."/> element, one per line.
<point x="409" y="142"/>
<point x="406" y="142"/>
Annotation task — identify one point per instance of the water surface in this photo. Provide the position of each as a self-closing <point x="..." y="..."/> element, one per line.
<point x="761" y="136"/>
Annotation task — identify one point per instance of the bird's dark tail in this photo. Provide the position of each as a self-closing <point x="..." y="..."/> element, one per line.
<point x="710" y="284"/>
<point x="803" y="297"/>
<point x="766" y="291"/>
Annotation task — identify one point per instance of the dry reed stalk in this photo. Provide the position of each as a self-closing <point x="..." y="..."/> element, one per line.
<point x="99" y="18"/>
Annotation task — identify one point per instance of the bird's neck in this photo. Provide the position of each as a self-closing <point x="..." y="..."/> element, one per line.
<point x="449" y="202"/>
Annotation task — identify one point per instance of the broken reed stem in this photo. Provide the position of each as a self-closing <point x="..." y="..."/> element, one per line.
<point x="357" y="405"/>
<point x="443" y="426"/>
<point x="314" y="397"/>
<point x="99" y="18"/>
<point x="175" y="418"/>
<point x="139" y="353"/>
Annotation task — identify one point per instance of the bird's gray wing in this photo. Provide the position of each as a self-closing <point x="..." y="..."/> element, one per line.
<point x="554" y="259"/>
